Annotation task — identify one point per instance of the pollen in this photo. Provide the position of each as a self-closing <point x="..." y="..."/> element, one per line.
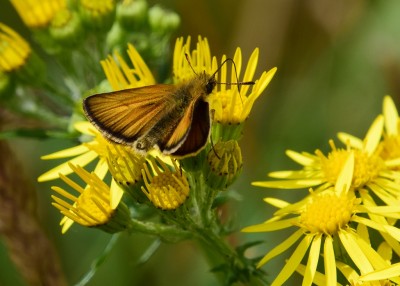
<point x="327" y="213"/>
<point x="332" y="164"/>
<point x="366" y="166"/>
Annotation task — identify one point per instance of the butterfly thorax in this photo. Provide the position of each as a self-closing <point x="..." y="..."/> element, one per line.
<point x="195" y="88"/>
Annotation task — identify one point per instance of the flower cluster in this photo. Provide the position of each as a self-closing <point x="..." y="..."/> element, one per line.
<point x="125" y="187"/>
<point x="354" y="192"/>
<point x="164" y="185"/>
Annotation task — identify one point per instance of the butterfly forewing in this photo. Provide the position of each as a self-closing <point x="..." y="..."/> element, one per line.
<point x="124" y="116"/>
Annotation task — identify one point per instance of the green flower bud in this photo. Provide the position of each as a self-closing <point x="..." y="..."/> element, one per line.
<point x="226" y="132"/>
<point x="66" y="28"/>
<point x="97" y="14"/>
<point x="132" y="14"/>
<point x="162" y="21"/>
<point x="224" y="164"/>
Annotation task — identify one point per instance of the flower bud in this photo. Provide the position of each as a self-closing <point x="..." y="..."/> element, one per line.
<point x="224" y="164"/>
<point x="162" y="21"/>
<point x="66" y="28"/>
<point x="97" y="14"/>
<point x="132" y="14"/>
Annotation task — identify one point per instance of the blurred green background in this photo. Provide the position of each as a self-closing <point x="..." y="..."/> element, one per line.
<point x="336" y="60"/>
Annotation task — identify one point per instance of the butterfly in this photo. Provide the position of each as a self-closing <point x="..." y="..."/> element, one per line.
<point x="174" y="118"/>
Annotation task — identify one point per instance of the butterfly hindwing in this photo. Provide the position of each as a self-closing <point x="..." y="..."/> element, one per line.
<point x="191" y="133"/>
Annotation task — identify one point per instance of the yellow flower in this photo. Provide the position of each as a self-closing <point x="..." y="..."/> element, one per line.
<point x="121" y="76"/>
<point x="321" y="219"/>
<point x="14" y="50"/>
<point x="229" y="106"/>
<point x="37" y="14"/>
<point x="371" y="172"/>
<point x="166" y="189"/>
<point x="94" y="205"/>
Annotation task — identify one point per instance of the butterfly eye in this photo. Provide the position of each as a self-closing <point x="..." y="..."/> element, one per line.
<point x="210" y="85"/>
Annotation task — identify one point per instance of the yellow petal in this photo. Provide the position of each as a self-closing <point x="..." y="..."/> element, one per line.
<point x="276" y="202"/>
<point x="362" y="231"/>
<point x="347" y="271"/>
<point x="66" y="223"/>
<point x="369" y="222"/>
<point x="281" y="247"/>
<point x="312" y="260"/>
<point x="392" y="272"/>
<point x="116" y="194"/>
<point x="329" y="261"/>
<point x="65" y="169"/>
<point x="345" y="177"/>
<point x="289" y="184"/>
<point x="69" y="152"/>
<point x="385" y="251"/>
<point x="101" y="169"/>
<point x="271" y="226"/>
<point x="84" y="127"/>
<point x="293" y="261"/>
<point x="391" y="116"/>
<point x="289" y="174"/>
<point x="354" y="251"/>
<point x="376" y="260"/>
<point x="374" y="135"/>
<point x="350" y="140"/>
<point x="393" y="231"/>
<point x="387" y="211"/>
<point x="304" y="158"/>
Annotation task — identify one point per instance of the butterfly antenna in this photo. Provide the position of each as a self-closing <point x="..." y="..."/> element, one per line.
<point x="237" y="83"/>
<point x="190" y="64"/>
<point x="212" y="147"/>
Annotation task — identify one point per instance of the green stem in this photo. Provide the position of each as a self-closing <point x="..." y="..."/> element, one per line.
<point x="167" y="233"/>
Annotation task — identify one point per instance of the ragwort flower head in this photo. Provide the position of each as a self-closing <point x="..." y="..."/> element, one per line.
<point x="94" y="206"/>
<point x="14" y="50"/>
<point x="230" y="106"/>
<point x="321" y="219"/>
<point x="37" y="14"/>
<point x="166" y="187"/>
<point x="371" y="172"/>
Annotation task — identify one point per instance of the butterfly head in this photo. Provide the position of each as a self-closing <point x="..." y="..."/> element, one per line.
<point x="211" y="83"/>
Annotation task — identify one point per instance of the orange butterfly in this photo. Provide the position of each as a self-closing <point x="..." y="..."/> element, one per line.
<point x="173" y="118"/>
